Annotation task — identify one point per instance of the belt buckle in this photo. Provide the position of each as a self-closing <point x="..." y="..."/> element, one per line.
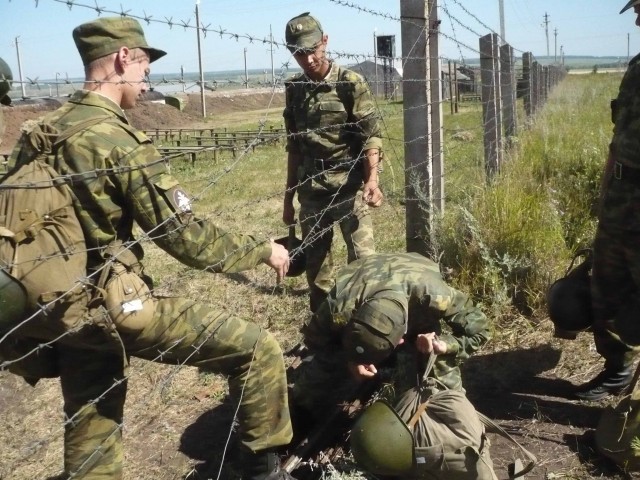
<point x="617" y="171"/>
<point x="318" y="164"/>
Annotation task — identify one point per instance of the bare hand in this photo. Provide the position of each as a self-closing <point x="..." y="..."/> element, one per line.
<point x="372" y="194"/>
<point x="361" y="372"/>
<point x="279" y="260"/>
<point x="429" y="342"/>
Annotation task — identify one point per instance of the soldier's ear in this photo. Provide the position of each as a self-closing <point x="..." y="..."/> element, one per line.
<point x="123" y="58"/>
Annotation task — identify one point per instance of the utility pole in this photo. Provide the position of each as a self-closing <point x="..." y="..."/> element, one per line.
<point x="562" y="54"/>
<point x="503" y="39"/>
<point x="375" y="57"/>
<point x="555" y="45"/>
<point x="546" y="30"/>
<point x="246" y="72"/>
<point x="204" y="107"/>
<point x="273" y="76"/>
<point x="24" y="93"/>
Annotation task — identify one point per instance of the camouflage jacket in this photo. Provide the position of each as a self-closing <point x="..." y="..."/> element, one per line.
<point x="118" y="178"/>
<point x="414" y="282"/>
<point x="335" y="119"/>
<point x="620" y="204"/>
<point x="626" y="117"/>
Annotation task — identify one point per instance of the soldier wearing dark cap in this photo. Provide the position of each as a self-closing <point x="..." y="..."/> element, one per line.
<point x="334" y="151"/>
<point x="377" y="304"/>
<point x="615" y="280"/>
<point x="120" y="178"/>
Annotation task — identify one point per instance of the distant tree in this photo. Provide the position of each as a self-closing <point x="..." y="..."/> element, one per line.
<point x="595" y="69"/>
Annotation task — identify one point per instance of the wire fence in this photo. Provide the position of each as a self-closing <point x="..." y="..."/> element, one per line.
<point x="498" y="91"/>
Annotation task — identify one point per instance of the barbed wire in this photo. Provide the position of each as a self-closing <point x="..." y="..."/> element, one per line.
<point x="213" y="179"/>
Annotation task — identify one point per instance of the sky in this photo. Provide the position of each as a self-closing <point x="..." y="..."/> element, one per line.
<point x="43" y="30"/>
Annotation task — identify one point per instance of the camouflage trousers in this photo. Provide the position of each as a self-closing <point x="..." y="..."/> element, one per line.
<point x="182" y="332"/>
<point x="318" y="214"/>
<point x="615" y="286"/>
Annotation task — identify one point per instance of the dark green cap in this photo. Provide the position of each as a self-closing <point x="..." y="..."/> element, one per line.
<point x="107" y="35"/>
<point x="303" y="33"/>
<point x="375" y="330"/>
<point x="5" y="82"/>
<point x="631" y="3"/>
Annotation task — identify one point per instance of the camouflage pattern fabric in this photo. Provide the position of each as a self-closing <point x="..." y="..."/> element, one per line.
<point x="329" y="125"/>
<point x="119" y="167"/>
<point x="182" y="333"/>
<point x="615" y="280"/>
<point x="625" y="113"/>
<point x="430" y="305"/>
<point x="120" y="178"/>
<point x="317" y="217"/>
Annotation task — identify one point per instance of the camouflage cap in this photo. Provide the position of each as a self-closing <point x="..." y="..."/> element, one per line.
<point x="630" y="3"/>
<point x="376" y="328"/>
<point x="303" y="32"/>
<point x="106" y="35"/>
<point x="5" y="82"/>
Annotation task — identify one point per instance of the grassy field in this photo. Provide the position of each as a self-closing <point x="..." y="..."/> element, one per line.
<point x="504" y="242"/>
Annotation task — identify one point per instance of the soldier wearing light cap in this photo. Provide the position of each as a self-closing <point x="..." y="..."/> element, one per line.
<point x="334" y="151"/>
<point x="615" y="277"/>
<point x="379" y="303"/>
<point x="119" y="178"/>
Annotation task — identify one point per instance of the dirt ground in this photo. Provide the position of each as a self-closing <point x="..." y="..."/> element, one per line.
<point x="525" y="387"/>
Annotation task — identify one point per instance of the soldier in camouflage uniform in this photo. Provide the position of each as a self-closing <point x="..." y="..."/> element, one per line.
<point x="334" y="151"/>
<point x="5" y="85"/>
<point x="120" y="178"/>
<point x="378" y="303"/>
<point x="615" y="280"/>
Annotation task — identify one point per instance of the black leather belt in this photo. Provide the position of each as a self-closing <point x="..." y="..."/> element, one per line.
<point x="320" y="164"/>
<point x="626" y="173"/>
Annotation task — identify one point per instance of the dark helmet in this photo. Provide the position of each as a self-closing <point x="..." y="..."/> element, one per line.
<point x="381" y="443"/>
<point x="5" y="82"/>
<point x="569" y="298"/>
<point x="13" y="300"/>
<point x="630" y="4"/>
<point x="375" y="329"/>
<point x="297" y="257"/>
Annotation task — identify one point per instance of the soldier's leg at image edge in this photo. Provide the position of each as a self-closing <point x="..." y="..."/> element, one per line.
<point x="94" y="391"/>
<point x="615" y="279"/>
<point x="200" y="335"/>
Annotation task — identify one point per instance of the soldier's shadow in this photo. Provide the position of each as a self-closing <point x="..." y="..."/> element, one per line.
<point x="211" y="439"/>
<point x="510" y="385"/>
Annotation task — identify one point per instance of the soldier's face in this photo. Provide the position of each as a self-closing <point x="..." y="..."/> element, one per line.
<point x="314" y="62"/>
<point x="135" y="78"/>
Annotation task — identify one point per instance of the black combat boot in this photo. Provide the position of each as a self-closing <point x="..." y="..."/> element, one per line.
<point x="263" y="465"/>
<point x="610" y="381"/>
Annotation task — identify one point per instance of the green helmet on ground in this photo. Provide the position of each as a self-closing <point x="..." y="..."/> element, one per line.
<point x="13" y="301"/>
<point x="381" y="442"/>
<point x="6" y="78"/>
<point x="630" y="4"/>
